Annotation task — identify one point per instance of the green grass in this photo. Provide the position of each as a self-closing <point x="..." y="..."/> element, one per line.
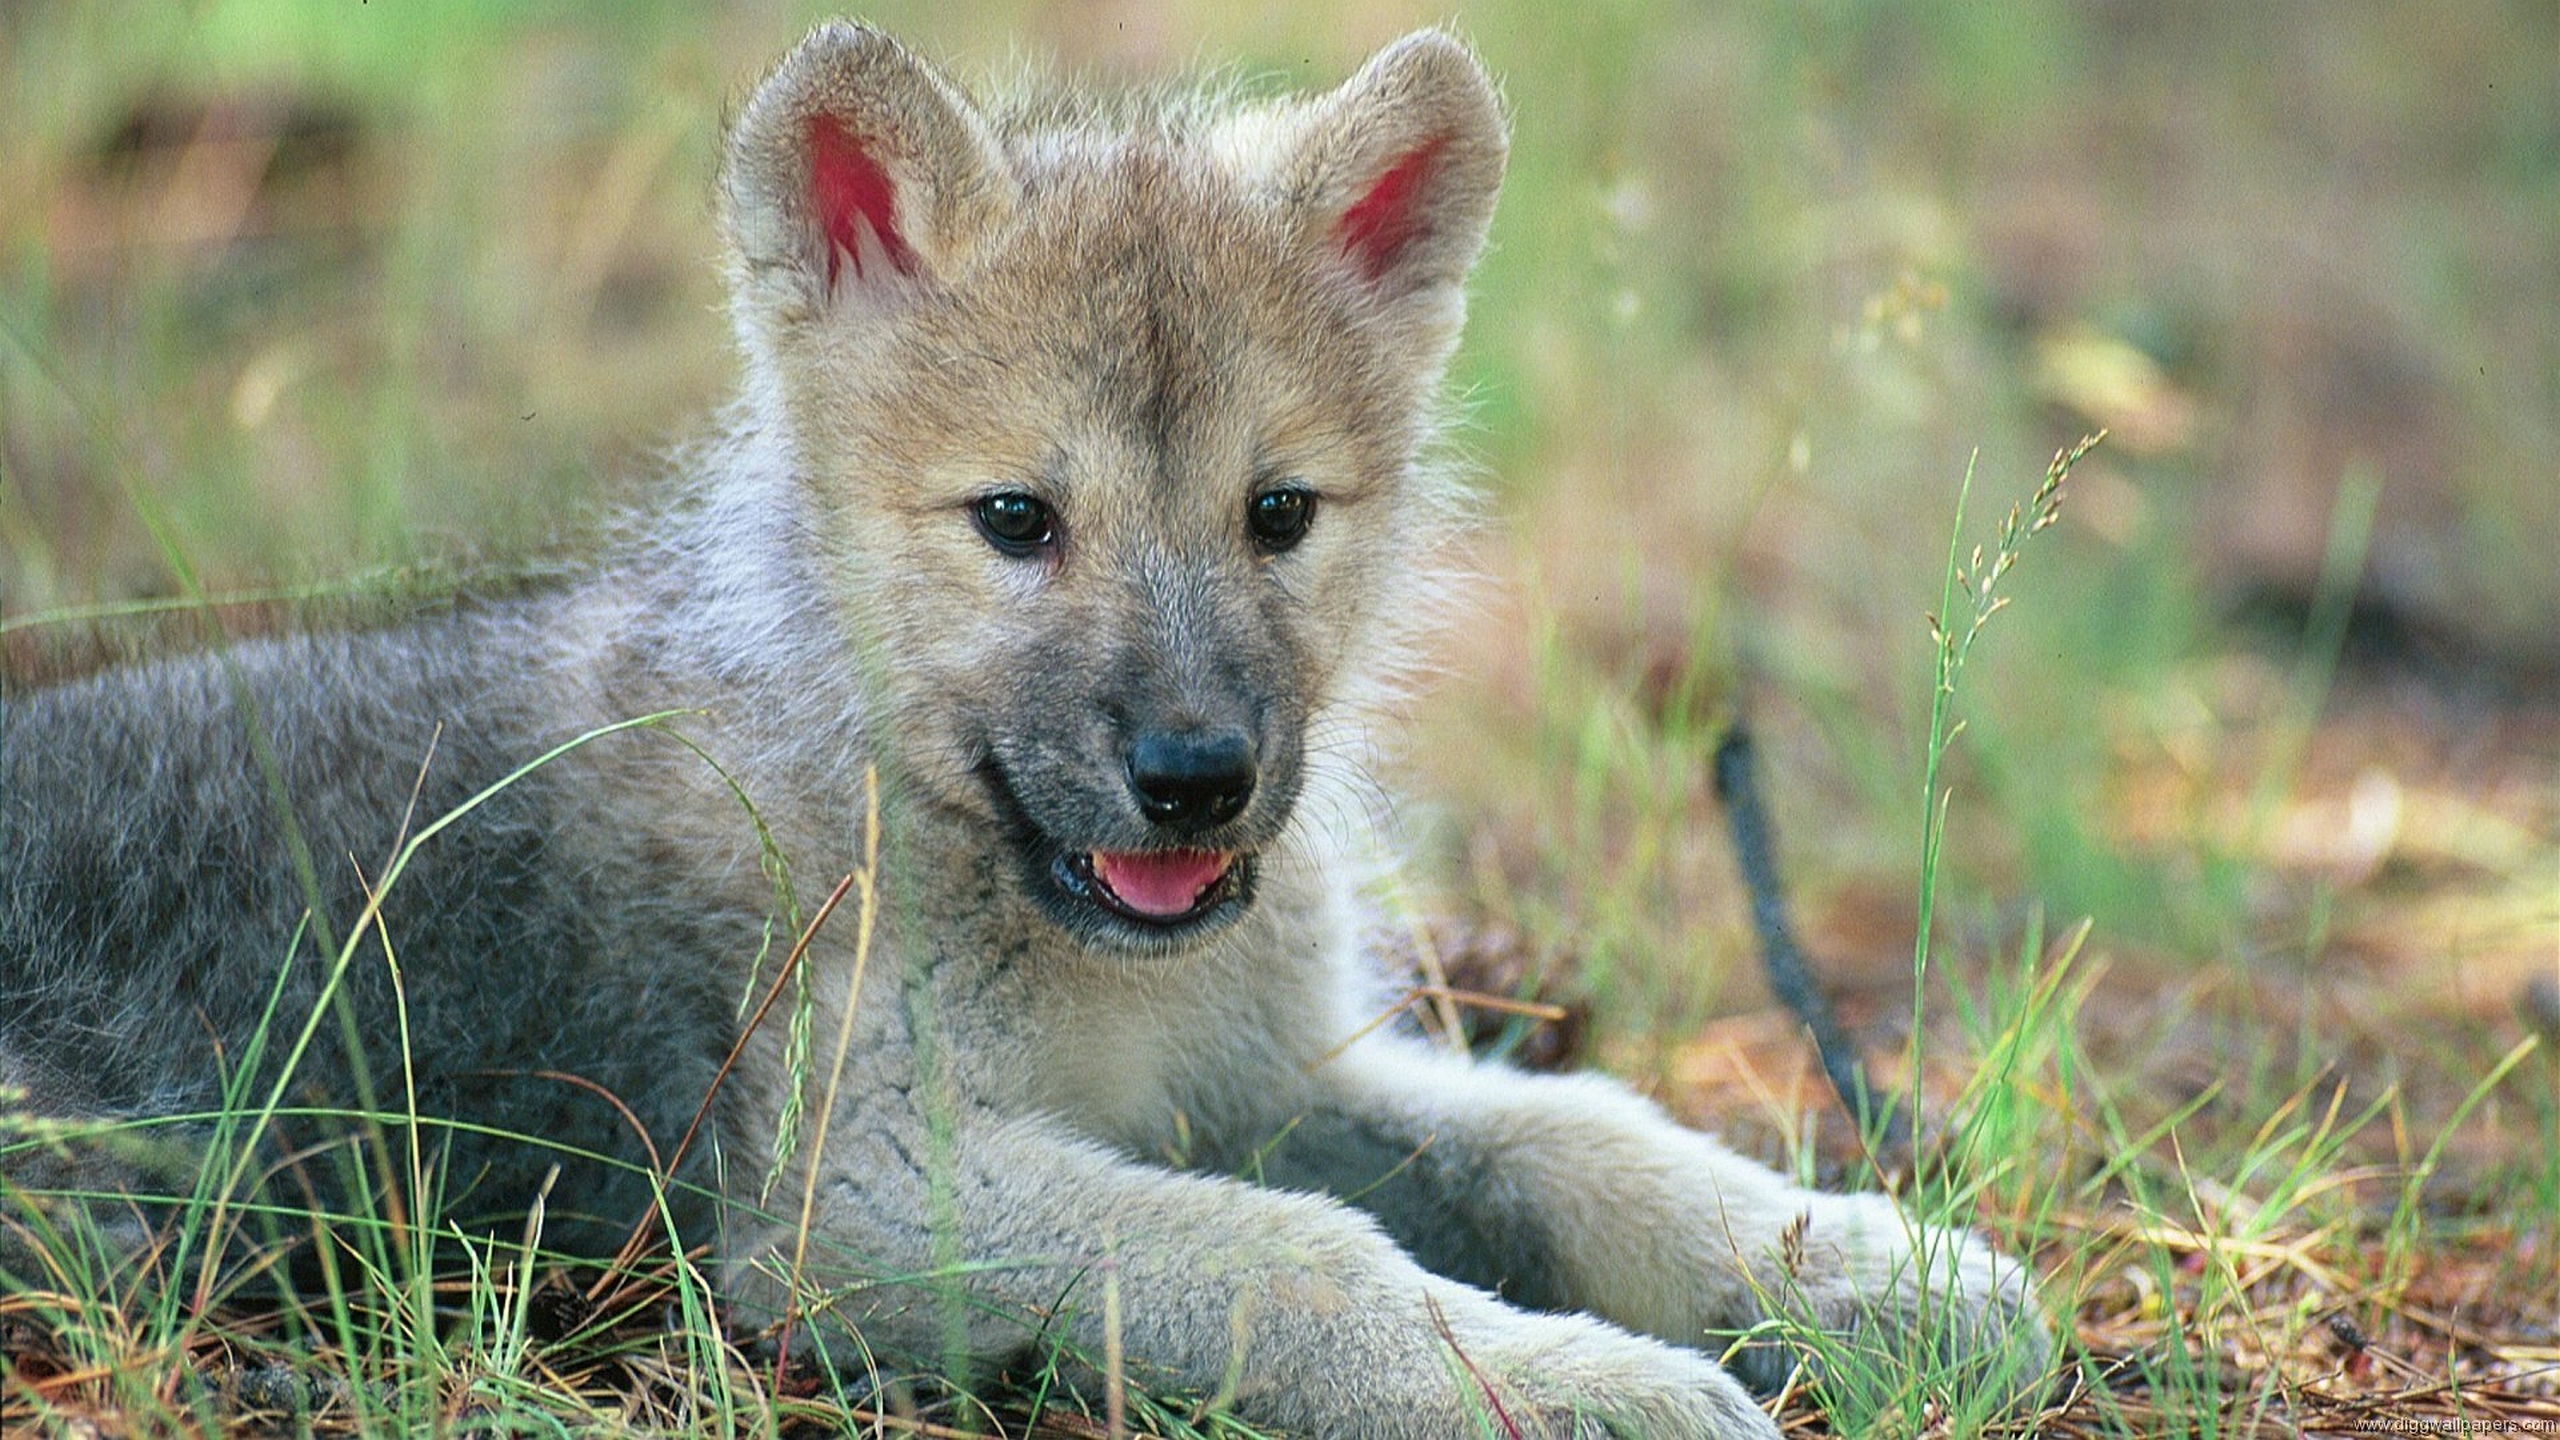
<point x="1764" y="276"/>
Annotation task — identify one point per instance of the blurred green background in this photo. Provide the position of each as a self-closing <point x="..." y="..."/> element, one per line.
<point x="347" y="291"/>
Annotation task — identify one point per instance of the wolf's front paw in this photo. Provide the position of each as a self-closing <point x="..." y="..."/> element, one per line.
<point x="1866" y="1275"/>
<point x="1566" y="1377"/>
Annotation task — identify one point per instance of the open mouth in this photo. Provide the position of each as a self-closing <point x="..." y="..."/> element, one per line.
<point x="1149" y="897"/>
<point x="1166" y="889"/>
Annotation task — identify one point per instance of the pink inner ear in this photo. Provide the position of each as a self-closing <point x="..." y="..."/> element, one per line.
<point x="1382" y="223"/>
<point x="851" y="189"/>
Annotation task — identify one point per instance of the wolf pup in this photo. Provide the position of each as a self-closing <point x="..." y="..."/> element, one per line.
<point x="1060" y="547"/>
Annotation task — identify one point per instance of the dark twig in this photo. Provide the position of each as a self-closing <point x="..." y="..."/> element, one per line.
<point x="1755" y="849"/>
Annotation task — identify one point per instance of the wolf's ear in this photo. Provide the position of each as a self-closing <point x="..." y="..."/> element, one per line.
<point x="854" y="175"/>
<point x="1396" y="170"/>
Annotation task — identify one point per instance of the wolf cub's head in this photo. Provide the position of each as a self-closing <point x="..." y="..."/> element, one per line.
<point x="1109" y="423"/>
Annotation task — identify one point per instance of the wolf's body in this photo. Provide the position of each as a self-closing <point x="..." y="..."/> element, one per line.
<point x="991" y="521"/>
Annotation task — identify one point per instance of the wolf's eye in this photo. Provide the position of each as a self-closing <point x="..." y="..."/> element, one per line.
<point x="1013" y="522"/>
<point x="1278" y="518"/>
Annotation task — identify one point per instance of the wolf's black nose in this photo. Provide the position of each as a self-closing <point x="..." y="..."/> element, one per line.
<point x="1191" y="779"/>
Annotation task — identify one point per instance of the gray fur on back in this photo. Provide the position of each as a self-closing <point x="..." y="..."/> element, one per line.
<point x="153" y="902"/>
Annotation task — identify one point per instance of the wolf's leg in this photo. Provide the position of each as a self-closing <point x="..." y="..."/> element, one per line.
<point x="1572" y="1193"/>
<point x="1295" y="1305"/>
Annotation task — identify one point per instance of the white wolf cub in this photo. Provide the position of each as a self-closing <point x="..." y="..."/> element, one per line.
<point x="1080" y="495"/>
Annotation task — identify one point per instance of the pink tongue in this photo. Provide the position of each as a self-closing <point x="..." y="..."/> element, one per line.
<point x="1160" y="883"/>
